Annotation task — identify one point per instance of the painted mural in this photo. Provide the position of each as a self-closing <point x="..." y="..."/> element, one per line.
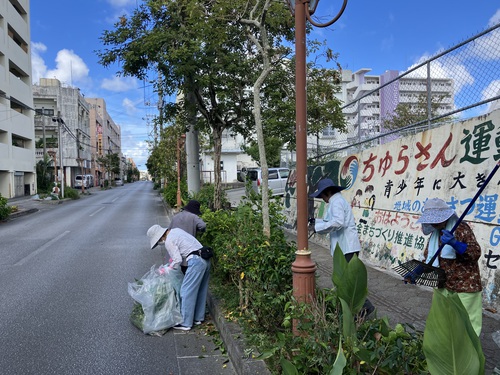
<point x="388" y="186"/>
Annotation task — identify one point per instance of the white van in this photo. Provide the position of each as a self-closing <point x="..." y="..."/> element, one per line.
<point x="86" y="179"/>
<point x="276" y="181"/>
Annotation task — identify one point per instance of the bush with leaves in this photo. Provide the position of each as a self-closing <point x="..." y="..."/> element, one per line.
<point x="335" y="339"/>
<point x="5" y="210"/>
<point x="249" y="265"/>
<point x="170" y="193"/>
<point x="206" y="196"/>
<point x="71" y="193"/>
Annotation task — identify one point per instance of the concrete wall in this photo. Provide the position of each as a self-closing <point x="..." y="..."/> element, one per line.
<point x="388" y="186"/>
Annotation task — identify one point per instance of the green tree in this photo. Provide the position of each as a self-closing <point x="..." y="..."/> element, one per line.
<point x="111" y="163"/>
<point x="43" y="175"/>
<point x="407" y="114"/>
<point x="195" y="53"/>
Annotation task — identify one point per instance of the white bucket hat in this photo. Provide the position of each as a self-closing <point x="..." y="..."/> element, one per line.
<point x="155" y="233"/>
<point x="435" y="211"/>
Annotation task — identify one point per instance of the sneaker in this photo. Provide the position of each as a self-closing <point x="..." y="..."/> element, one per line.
<point x="182" y="328"/>
<point x="197" y="322"/>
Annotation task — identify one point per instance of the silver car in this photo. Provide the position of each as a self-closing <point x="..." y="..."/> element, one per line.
<point x="276" y="181"/>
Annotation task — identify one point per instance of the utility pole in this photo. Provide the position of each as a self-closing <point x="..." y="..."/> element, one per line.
<point x="43" y="130"/>
<point x="60" y="121"/>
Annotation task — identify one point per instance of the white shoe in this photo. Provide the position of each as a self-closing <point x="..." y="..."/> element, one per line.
<point x="182" y="328"/>
<point x="197" y="322"/>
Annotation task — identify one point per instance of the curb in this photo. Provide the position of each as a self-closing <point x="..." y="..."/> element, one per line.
<point x="233" y="338"/>
<point x="17" y="214"/>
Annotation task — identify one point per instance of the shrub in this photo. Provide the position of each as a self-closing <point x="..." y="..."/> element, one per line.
<point x="206" y="196"/>
<point x="170" y="193"/>
<point x="71" y="193"/>
<point x="249" y="265"/>
<point x="5" y="210"/>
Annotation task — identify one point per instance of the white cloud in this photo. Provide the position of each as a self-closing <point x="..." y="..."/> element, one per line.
<point x="129" y="106"/>
<point x="119" y="84"/>
<point x="444" y="68"/>
<point x="492" y="90"/>
<point x="121" y="3"/>
<point x="38" y="67"/>
<point x="495" y="19"/>
<point x="70" y="68"/>
<point x="486" y="47"/>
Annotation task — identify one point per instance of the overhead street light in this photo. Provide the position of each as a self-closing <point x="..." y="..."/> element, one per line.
<point x="303" y="268"/>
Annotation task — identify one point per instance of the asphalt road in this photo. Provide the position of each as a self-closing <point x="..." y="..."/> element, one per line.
<point x="64" y="273"/>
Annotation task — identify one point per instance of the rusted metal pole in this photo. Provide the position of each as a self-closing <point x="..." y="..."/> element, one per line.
<point x="303" y="268"/>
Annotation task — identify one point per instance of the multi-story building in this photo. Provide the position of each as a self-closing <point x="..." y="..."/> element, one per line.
<point x="365" y="118"/>
<point x="105" y="138"/>
<point x="62" y="119"/>
<point x="17" y="145"/>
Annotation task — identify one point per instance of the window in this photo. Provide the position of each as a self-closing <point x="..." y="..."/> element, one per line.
<point x="273" y="174"/>
<point x="44" y="111"/>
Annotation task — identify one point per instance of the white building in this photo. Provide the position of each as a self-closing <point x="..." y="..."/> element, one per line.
<point x="53" y="101"/>
<point x="17" y="146"/>
<point x="365" y="117"/>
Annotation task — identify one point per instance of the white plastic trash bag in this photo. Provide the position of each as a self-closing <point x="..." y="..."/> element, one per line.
<point x="158" y="294"/>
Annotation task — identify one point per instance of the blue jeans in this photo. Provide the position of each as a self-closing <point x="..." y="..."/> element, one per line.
<point x="194" y="290"/>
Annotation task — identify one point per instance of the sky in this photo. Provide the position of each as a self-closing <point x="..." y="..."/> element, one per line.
<point x="381" y="35"/>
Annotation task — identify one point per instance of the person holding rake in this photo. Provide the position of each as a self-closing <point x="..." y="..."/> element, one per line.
<point x="458" y="258"/>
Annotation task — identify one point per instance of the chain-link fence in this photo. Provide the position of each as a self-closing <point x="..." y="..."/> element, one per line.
<point x="459" y="83"/>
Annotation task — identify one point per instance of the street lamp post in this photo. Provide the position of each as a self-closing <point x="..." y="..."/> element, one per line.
<point x="303" y="268"/>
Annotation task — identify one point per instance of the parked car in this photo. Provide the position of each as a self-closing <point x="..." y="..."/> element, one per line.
<point x="85" y="179"/>
<point x="277" y="179"/>
<point x="118" y="181"/>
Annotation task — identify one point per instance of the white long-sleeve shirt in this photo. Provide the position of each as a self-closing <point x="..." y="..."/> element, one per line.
<point x="339" y="222"/>
<point x="179" y="245"/>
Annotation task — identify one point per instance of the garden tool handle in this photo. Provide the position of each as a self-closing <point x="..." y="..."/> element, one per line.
<point x="469" y="206"/>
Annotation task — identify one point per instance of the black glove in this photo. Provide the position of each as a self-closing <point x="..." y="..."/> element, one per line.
<point x="311" y="221"/>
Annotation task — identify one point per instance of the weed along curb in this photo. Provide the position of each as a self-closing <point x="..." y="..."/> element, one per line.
<point x="233" y="339"/>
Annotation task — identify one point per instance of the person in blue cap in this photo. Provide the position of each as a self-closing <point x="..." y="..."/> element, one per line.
<point x="339" y="222"/>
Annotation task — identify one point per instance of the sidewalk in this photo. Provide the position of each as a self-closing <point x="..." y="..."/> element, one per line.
<point x="404" y="303"/>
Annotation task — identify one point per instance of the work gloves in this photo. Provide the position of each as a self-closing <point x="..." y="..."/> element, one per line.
<point x="311" y="222"/>
<point x="412" y="276"/>
<point x="449" y="239"/>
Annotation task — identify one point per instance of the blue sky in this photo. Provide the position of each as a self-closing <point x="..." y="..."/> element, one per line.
<point x="381" y="35"/>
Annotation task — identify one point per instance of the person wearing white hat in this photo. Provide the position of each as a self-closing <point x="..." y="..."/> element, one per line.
<point x="458" y="258"/>
<point x="182" y="246"/>
<point x="339" y="222"/>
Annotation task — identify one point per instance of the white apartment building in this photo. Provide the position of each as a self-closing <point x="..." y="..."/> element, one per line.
<point x="61" y="111"/>
<point x="17" y="145"/>
<point x="370" y="106"/>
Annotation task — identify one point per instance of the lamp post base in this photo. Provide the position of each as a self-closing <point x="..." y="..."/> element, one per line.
<point x="304" y="279"/>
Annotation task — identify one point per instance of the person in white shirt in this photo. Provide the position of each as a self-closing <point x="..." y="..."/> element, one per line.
<point x="339" y="222"/>
<point x="183" y="246"/>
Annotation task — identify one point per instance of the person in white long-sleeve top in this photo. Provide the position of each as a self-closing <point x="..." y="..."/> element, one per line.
<point x="339" y="222"/>
<point x="182" y="246"/>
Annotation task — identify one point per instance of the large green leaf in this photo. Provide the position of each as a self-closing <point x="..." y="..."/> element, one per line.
<point x="348" y="327"/>
<point x="450" y="344"/>
<point x="288" y="367"/>
<point x="339" y="266"/>
<point x="340" y="362"/>
<point x="352" y="284"/>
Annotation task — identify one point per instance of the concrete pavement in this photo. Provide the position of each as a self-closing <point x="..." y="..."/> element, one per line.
<point x="399" y="302"/>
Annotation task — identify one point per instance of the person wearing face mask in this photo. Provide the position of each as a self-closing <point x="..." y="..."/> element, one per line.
<point x="458" y="258"/>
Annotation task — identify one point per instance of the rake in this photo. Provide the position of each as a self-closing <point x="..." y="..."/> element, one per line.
<point x="417" y="272"/>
